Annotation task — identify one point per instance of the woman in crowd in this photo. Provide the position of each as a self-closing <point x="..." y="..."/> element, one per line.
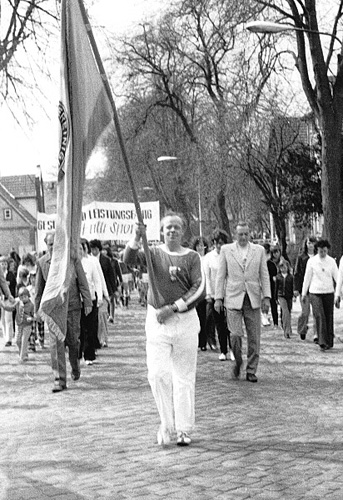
<point x="207" y="332"/>
<point x="7" y="315"/>
<point x="284" y="295"/>
<point x="172" y="327"/>
<point x="272" y="270"/>
<point x="118" y="281"/>
<point x="89" y="323"/>
<point x="219" y="238"/>
<point x="319" y="280"/>
<point x="308" y="251"/>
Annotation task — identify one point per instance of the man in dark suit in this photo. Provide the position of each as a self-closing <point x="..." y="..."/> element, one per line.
<point x="78" y="287"/>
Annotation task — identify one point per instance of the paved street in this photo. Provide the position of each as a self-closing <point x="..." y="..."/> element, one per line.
<point x="279" y="439"/>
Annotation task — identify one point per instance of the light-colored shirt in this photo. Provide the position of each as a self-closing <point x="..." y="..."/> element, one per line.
<point x="320" y="275"/>
<point x="93" y="277"/>
<point x="210" y="264"/>
<point x="102" y="277"/>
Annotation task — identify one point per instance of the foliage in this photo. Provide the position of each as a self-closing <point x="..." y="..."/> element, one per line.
<point x="317" y="42"/>
<point x="288" y="172"/>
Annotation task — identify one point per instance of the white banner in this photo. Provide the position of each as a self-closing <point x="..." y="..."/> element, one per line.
<point x="45" y="223"/>
<point x="107" y="221"/>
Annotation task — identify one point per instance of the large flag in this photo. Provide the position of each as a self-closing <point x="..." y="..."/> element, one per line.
<point x="84" y="112"/>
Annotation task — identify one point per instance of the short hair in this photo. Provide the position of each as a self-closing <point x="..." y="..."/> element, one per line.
<point x="29" y="259"/>
<point x="197" y="241"/>
<point x="23" y="291"/>
<point x="95" y="244"/>
<point x="23" y="272"/>
<point x="267" y="247"/>
<point x="322" y="244"/>
<point x="284" y="262"/>
<point x="49" y="233"/>
<point x="85" y="245"/>
<point x="173" y="214"/>
<point x="220" y="234"/>
<point x="275" y="249"/>
<point x="312" y="239"/>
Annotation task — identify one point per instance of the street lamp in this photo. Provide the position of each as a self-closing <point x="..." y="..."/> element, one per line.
<point x="175" y="158"/>
<point x="271" y="27"/>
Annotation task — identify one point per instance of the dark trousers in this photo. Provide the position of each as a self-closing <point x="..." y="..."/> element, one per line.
<point x="274" y="311"/>
<point x="322" y="307"/>
<point x="57" y="348"/>
<point x="221" y="326"/>
<point x="89" y="333"/>
<point x="207" y="332"/>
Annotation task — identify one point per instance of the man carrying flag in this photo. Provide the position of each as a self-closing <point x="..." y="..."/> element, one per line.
<point x="84" y="112"/>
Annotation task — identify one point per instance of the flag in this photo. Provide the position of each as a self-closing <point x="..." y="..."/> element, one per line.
<point x="84" y="112"/>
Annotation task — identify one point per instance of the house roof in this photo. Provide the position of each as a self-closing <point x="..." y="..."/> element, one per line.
<point x="15" y="205"/>
<point x="20" y="186"/>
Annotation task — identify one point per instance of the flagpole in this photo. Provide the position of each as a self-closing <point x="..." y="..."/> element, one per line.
<point x="103" y="75"/>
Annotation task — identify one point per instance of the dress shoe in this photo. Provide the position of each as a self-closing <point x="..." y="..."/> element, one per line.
<point x="58" y="388"/>
<point x="183" y="439"/>
<point x="75" y="375"/>
<point x="315" y="340"/>
<point x="8" y="344"/>
<point x="303" y="336"/>
<point x="251" y="377"/>
<point x="236" y="370"/>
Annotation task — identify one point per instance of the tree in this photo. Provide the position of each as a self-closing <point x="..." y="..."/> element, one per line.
<point x="191" y="62"/>
<point x="324" y="93"/>
<point x="288" y="173"/>
<point x="26" y="28"/>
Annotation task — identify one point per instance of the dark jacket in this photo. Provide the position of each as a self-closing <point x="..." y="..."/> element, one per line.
<point x="299" y="271"/>
<point x="12" y="282"/>
<point x="284" y="286"/>
<point x="110" y="278"/>
<point x="78" y="286"/>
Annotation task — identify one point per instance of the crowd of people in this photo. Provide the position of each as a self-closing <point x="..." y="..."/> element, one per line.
<point x="96" y="288"/>
<point x="197" y="295"/>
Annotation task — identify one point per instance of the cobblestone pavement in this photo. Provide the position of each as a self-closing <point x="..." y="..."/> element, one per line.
<point x="278" y="439"/>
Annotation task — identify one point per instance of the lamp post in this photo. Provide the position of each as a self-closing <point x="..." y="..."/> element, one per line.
<point x="175" y="158"/>
<point x="271" y="27"/>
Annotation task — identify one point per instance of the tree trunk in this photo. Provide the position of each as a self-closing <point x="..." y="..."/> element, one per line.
<point x="280" y="228"/>
<point x="332" y="187"/>
<point x="225" y="223"/>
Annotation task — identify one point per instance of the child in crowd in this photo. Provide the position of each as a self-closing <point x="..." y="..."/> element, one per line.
<point x="284" y="293"/>
<point x="37" y="331"/>
<point x="23" y="279"/>
<point x="24" y="318"/>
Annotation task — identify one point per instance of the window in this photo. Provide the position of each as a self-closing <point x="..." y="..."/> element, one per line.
<point x="7" y="214"/>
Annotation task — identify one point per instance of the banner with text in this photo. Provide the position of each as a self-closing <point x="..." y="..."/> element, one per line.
<point x="107" y="221"/>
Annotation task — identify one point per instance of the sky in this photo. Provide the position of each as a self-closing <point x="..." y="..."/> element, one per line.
<point x="23" y="148"/>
